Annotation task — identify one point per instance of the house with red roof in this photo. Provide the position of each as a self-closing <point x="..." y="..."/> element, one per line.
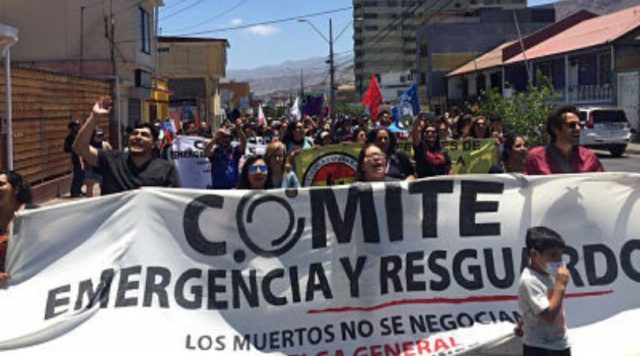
<point x="590" y="59"/>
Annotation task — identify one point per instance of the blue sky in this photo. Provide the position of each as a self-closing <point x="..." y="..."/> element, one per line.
<point x="255" y="46"/>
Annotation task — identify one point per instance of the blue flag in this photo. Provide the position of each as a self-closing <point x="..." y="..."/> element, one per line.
<point x="408" y="101"/>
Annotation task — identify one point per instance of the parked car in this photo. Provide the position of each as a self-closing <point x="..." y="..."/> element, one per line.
<point x="604" y="128"/>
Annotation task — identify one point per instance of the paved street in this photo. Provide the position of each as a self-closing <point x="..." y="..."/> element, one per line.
<point x="629" y="162"/>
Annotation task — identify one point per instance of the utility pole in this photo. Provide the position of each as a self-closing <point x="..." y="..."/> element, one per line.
<point x="332" y="68"/>
<point x="301" y="84"/>
<point x="82" y="8"/>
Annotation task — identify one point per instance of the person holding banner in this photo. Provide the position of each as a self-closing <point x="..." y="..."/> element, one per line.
<point x="280" y="172"/>
<point x="372" y="164"/>
<point x="430" y="159"/>
<point x="541" y="291"/>
<point x="128" y="170"/>
<point x="563" y="154"/>
<point x="514" y="152"/>
<point x="225" y="158"/>
<point x="15" y="194"/>
<point x="254" y="174"/>
<point x="399" y="164"/>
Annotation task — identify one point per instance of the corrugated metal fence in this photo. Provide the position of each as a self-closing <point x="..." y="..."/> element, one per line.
<point x="43" y="105"/>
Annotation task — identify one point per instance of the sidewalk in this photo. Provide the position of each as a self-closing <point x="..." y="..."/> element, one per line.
<point x="633" y="148"/>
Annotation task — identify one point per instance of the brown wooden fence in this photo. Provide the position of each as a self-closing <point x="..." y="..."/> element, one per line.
<point x="43" y="105"/>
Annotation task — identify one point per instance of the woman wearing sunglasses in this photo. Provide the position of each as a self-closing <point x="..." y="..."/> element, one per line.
<point x="254" y="174"/>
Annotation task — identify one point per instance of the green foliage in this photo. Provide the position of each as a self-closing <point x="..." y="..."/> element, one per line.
<point x="525" y="113"/>
<point x="356" y="110"/>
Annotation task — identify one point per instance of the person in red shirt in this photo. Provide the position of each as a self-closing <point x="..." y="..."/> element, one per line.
<point x="563" y="154"/>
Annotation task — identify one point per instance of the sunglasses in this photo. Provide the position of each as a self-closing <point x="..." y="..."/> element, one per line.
<point x="573" y="125"/>
<point x="376" y="156"/>
<point x="258" y="169"/>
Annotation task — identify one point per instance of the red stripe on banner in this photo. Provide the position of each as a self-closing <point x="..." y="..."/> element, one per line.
<point x="475" y="299"/>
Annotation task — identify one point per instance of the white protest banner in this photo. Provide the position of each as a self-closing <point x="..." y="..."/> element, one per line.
<point x="427" y="267"/>
<point x="256" y="145"/>
<point x="187" y="154"/>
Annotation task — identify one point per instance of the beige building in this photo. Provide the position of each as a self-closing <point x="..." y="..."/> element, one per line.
<point x="385" y="39"/>
<point x="97" y="39"/>
<point x="194" y="68"/>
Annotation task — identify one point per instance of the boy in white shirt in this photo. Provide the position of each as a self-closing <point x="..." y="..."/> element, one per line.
<point x="541" y="292"/>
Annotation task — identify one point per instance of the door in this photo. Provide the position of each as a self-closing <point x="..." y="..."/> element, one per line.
<point x="629" y="96"/>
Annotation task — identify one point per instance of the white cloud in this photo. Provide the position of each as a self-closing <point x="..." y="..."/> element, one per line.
<point x="235" y="22"/>
<point x="262" y="30"/>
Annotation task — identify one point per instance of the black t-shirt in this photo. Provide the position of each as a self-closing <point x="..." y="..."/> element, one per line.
<point x="68" y="147"/>
<point x="431" y="163"/>
<point x="400" y="166"/>
<point x="119" y="173"/>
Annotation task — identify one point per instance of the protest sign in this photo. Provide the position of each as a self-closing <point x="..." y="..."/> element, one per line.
<point x="187" y="154"/>
<point x="426" y="267"/>
<point x="471" y="155"/>
<point x="327" y="165"/>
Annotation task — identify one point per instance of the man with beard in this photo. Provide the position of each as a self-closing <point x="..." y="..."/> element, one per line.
<point x="563" y="154"/>
<point x="129" y="170"/>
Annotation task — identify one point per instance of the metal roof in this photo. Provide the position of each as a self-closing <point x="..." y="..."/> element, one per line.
<point x="490" y="59"/>
<point x="589" y="33"/>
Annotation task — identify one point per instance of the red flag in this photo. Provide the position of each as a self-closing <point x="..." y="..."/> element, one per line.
<point x="372" y="99"/>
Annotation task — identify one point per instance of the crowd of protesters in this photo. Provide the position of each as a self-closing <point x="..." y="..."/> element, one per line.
<point x="380" y="158"/>
<point x="287" y="137"/>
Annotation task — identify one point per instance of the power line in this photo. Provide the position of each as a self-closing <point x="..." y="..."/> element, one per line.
<point x="197" y="2"/>
<point x="242" y="2"/>
<point x="224" y="29"/>
<point x="432" y="15"/>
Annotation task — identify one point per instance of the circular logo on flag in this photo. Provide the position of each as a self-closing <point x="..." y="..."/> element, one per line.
<point x="331" y="169"/>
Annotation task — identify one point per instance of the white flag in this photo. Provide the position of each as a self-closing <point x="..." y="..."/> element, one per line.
<point x="295" y="110"/>
<point x="262" y="120"/>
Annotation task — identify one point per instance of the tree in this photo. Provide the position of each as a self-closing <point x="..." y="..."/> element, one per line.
<point x="525" y="113"/>
<point x="355" y="110"/>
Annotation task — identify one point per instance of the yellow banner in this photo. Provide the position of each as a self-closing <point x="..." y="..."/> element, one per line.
<point x="471" y="156"/>
<point x="327" y="165"/>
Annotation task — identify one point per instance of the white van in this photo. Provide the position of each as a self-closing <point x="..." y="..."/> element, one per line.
<point x="604" y="128"/>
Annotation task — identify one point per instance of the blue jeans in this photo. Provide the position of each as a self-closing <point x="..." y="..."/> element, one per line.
<point x="77" y="181"/>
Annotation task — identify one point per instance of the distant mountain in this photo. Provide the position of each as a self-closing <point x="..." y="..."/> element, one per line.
<point x="600" y="7"/>
<point x="286" y="76"/>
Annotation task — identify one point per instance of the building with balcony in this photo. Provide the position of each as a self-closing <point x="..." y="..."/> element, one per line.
<point x="590" y="59"/>
<point x="193" y="68"/>
<point x="450" y="40"/>
<point x="385" y="32"/>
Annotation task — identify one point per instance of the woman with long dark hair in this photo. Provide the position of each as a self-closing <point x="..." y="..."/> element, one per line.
<point x="15" y="194"/>
<point x="479" y="128"/>
<point x="371" y="164"/>
<point x="254" y="174"/>
<point x="431" y="159"/>
<point x="398" y="164"/>
<point x="514" y="151"/>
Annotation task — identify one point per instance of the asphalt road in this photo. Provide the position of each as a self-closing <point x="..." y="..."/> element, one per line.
<point x="627" y="163"/>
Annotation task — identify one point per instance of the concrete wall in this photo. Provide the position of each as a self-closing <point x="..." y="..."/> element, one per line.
<point x="201" y="58"/>
<point x="452" y="44"/>
<point x="51" y="32"/>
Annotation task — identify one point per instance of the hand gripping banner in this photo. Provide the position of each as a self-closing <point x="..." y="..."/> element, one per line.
<point x="427" y="267"/>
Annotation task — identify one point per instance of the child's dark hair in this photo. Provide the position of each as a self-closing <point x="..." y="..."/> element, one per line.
<point x="541" y="238"/>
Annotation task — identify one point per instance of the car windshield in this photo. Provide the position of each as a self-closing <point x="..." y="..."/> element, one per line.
<point x="601" y="116"/>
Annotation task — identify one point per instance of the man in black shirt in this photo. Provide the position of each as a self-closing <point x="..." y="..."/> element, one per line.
<point x="125" y="170"/>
